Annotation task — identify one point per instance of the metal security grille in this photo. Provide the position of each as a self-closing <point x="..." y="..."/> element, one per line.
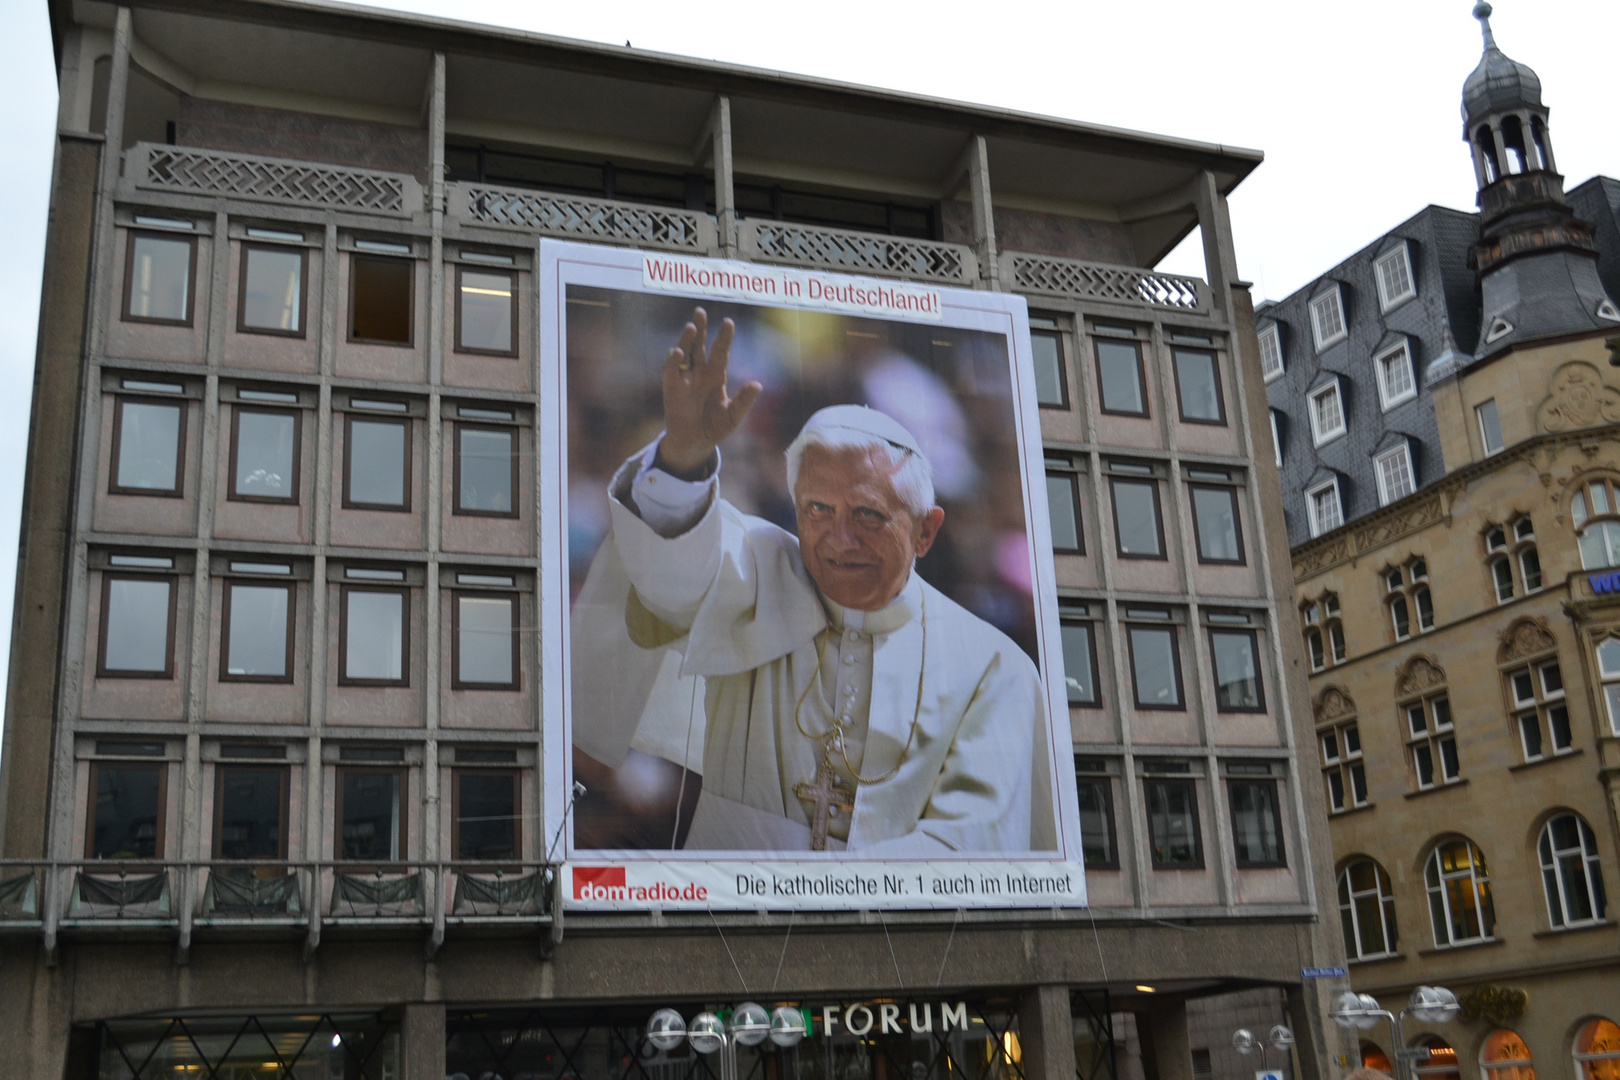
<point x="242" y="176"/>
<point x="582" y="218"/>
<point x="354" y="1046"/>
<point x="1100" y="281"/>
<point x="858" y="252"/>
<point x="1095" y="1057"/>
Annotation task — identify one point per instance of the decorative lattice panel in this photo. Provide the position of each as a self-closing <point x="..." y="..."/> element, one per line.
<point x="584" y="219"/>
<point x="1100" y="281"/>
<point x="869" y="253"/>
<point x="174" y="168"/>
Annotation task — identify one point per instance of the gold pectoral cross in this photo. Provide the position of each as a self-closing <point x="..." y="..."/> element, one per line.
<point x="828" y="796"/>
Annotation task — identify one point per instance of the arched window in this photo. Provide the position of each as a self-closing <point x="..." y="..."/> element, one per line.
<point x="1597" y="1051"/>
<point x="1442" y="1061"/>
<point x="1373" y="1057"/>
<point x="1570" y="872"/>
<point x="1411" y="609"/>
<point x="1324" y="631"/>
<point x="1608" y="659"/>
<point x="1459" y="885"/>
<point x="1596" y="516"/>
<point x="1486" y="141"/>
<point x="1421" y="699"/>
<point x="1505" y="1057"/>
<point x="1367" y="910"/>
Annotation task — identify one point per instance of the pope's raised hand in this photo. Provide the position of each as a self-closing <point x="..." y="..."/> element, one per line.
<point x="699" y="413"/>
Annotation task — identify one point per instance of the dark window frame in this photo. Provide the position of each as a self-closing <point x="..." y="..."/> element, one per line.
<point x="303" y="291"/>
<point x="1175" y="657"/>
<point x="282" y="774"/>
<point x="402" y="591"/>
<point x="1215" y="371"/>
<point x="1191" y="784"/>
<point x="129" y="278"/>
<point x="456" y="509"/>
<point x="1066" y="400"/>
<point x="228" y="585"/>
<point x="456" y="776"/>
<point x="358" y="257"/>
<point x="1232" y="783"/>
<point x="116" y="456"/>
<point x="1141" y="378"/>
<point x="1073" y="477"/>
<point x="1237" y="524"/>
<point x="1259" y="676"/>
<point x="231" y="494"/>
<point x="404" y="823"/>
<point x="468" y="350"/>
<point x="516" y="599"/>
<point x="105" y="672"/>
<point x="162" y="768"/>
<point x="1158" y="516"/>
<point x="1104" y="783"/>
<point x="408" y="423"/>
<point x="1096" y="701"/>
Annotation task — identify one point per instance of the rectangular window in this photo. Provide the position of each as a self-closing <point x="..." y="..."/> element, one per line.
<point x="1530" y="736"/>
<point x="1119" y="376"/>
<point x="258" y="638"/>
<point x="1394" y="278"/>
<point x="486" y="470"/>
<point x="1327" y="414"/>
<point x="1336" y="638"/>
<point x="1137" y="528"/>
<point x="1051" y="388"/>
<point x="126" y="814"/>
<point x="1063" y="508"/>
<point x="1215" y="524"/>
<point x="1237" y="671"/>
<point x="265" y="452"/>
<point x="250" y="812"/>
<point x="1256" y="826"/>
<point x="1326" y="513"/>
<point x="137" y="627"/>
<point x="1327" y="319"/>
<point x="1097" y="840"/>
<point x="1079" y="663"/>
<point x="1395" y="380"/>
<point x="270" y="298"/>
<point x="486" y="813"/>
<point x="1490" y="427"/>
<point x="158" y="272"/>
<point x="377" y="463"/>
<point x="1271" y="354"/>
<point x="1394" y="471"/>
<point x="149" y="439"/>
<point x="381" y="299"/>
<point x="370" y="813"/>
<point x="1558" y="729"/>
<point x="1198" y="386"/>
<point x="1155" y="667"/>
<point x="486" y="311"/>
<point x="1335" y="790"/>
<point x="1172" y="809"/>
<point x="375" y="636"/>
<point x="486" y="641"/>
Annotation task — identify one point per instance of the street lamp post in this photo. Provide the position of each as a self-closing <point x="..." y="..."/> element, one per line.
<point x="1430" y="1004"/>
<point x="750" y="1025"/>
<point x="1245" y="1041"/>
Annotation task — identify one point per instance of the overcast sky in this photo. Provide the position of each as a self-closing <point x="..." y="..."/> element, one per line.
<point x="1355" y="105"/>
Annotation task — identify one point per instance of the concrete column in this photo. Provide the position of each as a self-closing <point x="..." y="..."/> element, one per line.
<point x="1166" y="1051"/>
<point x="421" y="1048"/>
<point x="1046" y="1034"/>
<point x="1311" y="1042"/>
<point x="1220" y="258"/>
<point x="715" y="145"/>
<point x="977" y="167"/>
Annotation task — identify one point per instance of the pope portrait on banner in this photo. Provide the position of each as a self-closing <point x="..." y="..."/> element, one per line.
<point x="828" y="696"/>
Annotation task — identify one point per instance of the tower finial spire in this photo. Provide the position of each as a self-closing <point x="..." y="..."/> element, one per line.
<point x="1482" y="12"/>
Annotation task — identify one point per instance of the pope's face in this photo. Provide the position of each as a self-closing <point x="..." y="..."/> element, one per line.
<point x="857" y="539"/>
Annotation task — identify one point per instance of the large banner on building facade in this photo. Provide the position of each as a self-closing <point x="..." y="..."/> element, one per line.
<point x="798" y="589"/>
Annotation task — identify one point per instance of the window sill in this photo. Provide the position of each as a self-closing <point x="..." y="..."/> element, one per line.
<point x="1603" y="924"/>
<point x="1486" y="943"/>
<point x="1437" y="788"/>
<point x="1562" y="755"/>
<point x="1387" y="958"/>
<point x="1347" y="811"/>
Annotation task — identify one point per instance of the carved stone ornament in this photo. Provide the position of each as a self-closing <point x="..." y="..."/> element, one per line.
<point x="1496" y="1005"/>
<point x="1420" y="674"/>
<point x="1577" y="397"/>
<point x="1333" y="704"/>
<point x="1526" y="637"/>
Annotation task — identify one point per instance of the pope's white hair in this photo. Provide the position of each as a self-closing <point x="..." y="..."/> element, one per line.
<point x="913" y="476"/>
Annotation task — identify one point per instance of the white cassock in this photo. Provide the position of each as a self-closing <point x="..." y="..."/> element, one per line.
<point x="700" y="641"/>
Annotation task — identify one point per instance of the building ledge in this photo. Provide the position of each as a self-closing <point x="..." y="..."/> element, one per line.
<point x="1487" y="943"/>
<point x="1418" y="794"/>
<point x="1564" y="931"/>
<point x="1334" y="815"/>
<point x="1387" y="958"/>
<point x="1562" y="755"/>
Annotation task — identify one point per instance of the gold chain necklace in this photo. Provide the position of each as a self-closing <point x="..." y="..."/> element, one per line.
<point x="834" y="736"/>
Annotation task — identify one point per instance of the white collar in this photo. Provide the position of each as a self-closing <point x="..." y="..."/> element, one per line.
<point x="885" y="620"/>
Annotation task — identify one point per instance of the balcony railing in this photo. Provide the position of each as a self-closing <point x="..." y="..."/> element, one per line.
<point x="181" y="898"/>
<point x="858" y="252"/>
<point x="1076" y="279"/>
<point x="575" y="217"/>
<point x="189" y="170"/>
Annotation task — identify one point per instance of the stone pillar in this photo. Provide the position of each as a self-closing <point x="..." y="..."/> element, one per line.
<point x="421" y="1049"/>
<point x="1166" y="1052"/>
<point x="1046" y="1034"/>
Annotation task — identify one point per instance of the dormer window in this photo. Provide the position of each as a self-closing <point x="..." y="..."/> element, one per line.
<point x="1327" y="318"/>
<point x="1394" y="272"/>
<point x="1396" y="383"/>
<point x="1327" y="413"/>
<point x="1271" y="353"/>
